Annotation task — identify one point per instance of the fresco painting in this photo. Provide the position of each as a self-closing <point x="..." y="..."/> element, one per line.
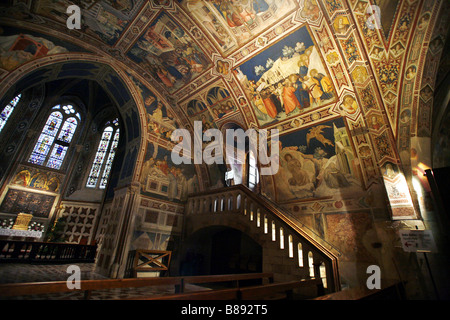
<point x="163" y="179"/>
<point x="169" y="53"/>
<point x="233" y="23"/>
<point x="287" y="79"/>
<point x="18" y="46"/>
<point x="19" y="201"/>
<point x="220" y="103"/>
<point x="215" y="103"/>
<point x="160" y="120"/>
<point x="317" y="162"/>
<point x="105" y="19"/>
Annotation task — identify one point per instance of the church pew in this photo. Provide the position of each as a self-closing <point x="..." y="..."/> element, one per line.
<point x="235" y="278"/>
<point x="20" y="289"/>
<point x="221" y="294"/>
<point x="272" y="289"/>
<point x="389" y="290"/>
<point x="31" y="288"/>
<point x="281" y="289"/>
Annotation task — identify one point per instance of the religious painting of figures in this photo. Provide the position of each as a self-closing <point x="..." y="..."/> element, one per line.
<point x="18" y="46"/>
<point x="198" y="111"/>
<point x="217" y="100"/>
<point x="217" y="175"/>
<point x="287" y="79"/>
<point x="162" y="179"/>
<point x="233" y="23"/>
<point x="388" y="9"/>
<point x="18" y="201"/>
<point x="105" y="19"/>
<point x="317" y="162"/>
<point x="169" y="53"/>
<point x="34" y="178"/>
<point x="160" y="120"/>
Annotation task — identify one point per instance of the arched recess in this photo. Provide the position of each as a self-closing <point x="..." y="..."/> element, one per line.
<point x="109" y="76"/>
<point x="220" y="250"/>
<point x="235" y="161"/>
<point x="427" y="112"/>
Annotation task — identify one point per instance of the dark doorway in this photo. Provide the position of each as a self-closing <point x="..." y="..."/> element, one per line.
<point x="234" y="252"/>
<point x="220" y="250"/>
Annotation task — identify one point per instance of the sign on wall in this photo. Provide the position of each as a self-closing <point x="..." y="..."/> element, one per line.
<point x="417" y="241"/>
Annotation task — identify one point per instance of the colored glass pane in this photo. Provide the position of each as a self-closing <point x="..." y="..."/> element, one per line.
<point x="110" y="160"/>
<point x="6" y="112"/>
<point x="46" y="138"/>
<point x="99" y="157"/>
<point x="57" y="156"/>
<point x="68" y="109"/>
<point x="68" y="130"/>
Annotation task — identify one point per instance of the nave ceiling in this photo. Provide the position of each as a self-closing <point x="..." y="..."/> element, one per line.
<point x="232" y="62"/>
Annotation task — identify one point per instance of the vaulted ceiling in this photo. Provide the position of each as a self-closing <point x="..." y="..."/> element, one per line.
<point x="221" y="61"/>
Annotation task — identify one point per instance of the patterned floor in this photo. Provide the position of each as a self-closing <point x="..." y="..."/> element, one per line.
<point x="20" y="273"/>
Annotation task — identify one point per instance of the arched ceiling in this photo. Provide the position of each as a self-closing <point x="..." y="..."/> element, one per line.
<point x="218" y="61"/>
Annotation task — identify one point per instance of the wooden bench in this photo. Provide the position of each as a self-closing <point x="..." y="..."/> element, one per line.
<point x="390" y="289"/>
<point x="233" y="278"/>
<point x="20" y="289"/>
<point x="222" y="294"/>
<point x="281" y="290"/>
<point x="274" y="289"/>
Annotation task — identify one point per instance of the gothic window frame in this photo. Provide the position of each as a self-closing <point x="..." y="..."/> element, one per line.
<point x="253" y="177"/>
<point x="98" y="178"/>
<point x="51" y="148"/>
<point x="8" y="110"/>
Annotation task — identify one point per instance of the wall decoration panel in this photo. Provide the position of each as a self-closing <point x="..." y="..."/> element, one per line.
<point x="20" y="201"/>
<point x="161" y="178"/>
<point x="286" y="79"/>
<point x="80" y="219"/>
<point x="317" y="162"/>
<point x="169" y="53"/>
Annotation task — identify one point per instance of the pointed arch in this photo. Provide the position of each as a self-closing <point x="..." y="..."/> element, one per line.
<point x="8" y="110"/>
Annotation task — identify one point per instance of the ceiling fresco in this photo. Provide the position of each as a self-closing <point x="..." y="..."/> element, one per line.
<point x="104" y="19"/>
<point x="169" y="53"/>
<point x="295" y="65"/>
<point x="234" y="23"/>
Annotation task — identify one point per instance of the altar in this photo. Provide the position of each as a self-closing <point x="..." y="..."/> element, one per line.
<point x="19" y="230"/>
<point x="15" y="234"/>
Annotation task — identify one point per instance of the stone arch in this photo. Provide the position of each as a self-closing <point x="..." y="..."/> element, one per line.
<point x="219" y="249"/>
<point x="107" y="73"/>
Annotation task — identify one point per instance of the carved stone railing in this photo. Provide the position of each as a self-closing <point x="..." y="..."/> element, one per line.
<point x="312" y="257"/>
<point x="26" y="251"/>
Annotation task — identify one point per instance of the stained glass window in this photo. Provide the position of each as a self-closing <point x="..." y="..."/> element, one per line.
<point x="99" y="157"/>
<point x="68" y="130"/>
<point x="46" y="138"/>
<point x="59" y="151"/>
<point x="101" y="168"/>
<point x="6" y="112"/>
<point x="109" y="161"/>
<point x="55" y="137"/>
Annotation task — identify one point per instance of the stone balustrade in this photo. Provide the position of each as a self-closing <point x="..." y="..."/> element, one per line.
<point x="288" y="251"/>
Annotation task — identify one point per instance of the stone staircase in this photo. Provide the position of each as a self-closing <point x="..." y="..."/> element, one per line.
<point x="288" y="250"/>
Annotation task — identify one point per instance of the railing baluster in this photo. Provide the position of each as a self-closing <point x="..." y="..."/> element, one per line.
<point x="23" y="251"/>
<point x="274" y="223"/>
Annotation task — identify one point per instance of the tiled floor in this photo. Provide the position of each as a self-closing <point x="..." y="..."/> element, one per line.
<point x="20" y="273"/>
